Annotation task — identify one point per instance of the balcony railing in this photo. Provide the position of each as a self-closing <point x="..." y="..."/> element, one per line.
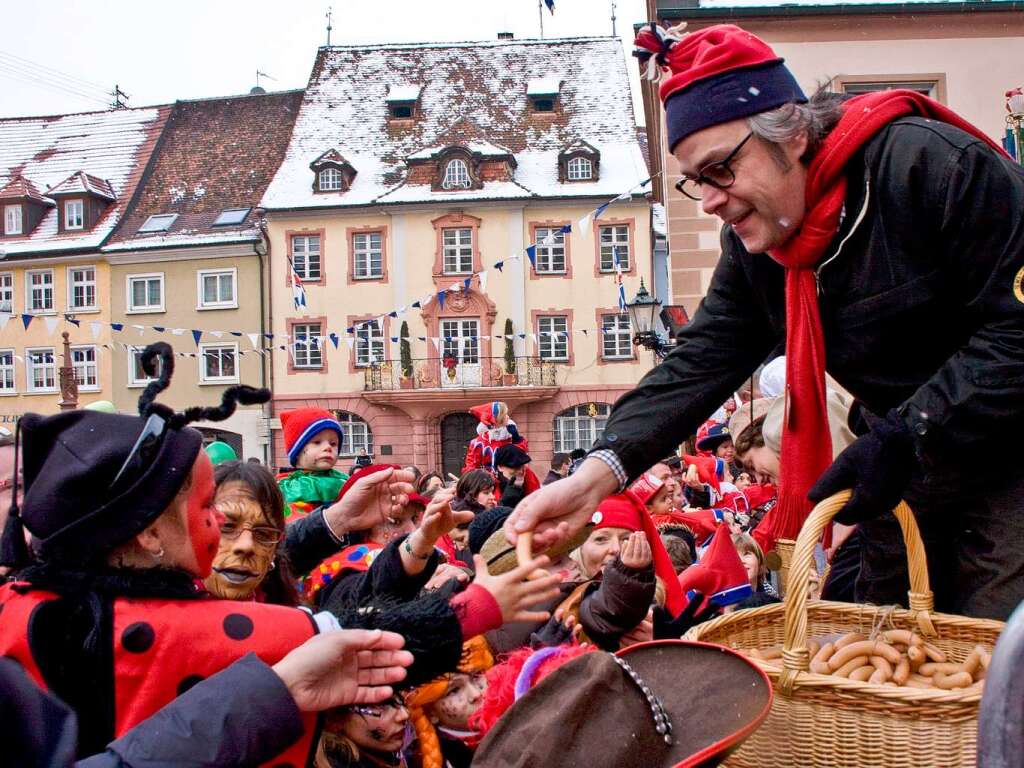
<point x="448" y="373"/>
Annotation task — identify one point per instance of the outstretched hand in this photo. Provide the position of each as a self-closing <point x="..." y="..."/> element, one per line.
<point x="370" y="501"/>
<point x="559" y="510"/>
<point x="636" y="553"/>
<point x="350" y="666"/>
<point x="514" y="594"/>
<point x="439" y="517"/>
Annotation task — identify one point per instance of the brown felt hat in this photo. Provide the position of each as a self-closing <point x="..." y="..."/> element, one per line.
<point x="593" y="713"/>
<point x="501" y="556"/>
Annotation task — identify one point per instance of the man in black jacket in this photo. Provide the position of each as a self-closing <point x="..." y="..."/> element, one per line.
<point x="920" y="290"/>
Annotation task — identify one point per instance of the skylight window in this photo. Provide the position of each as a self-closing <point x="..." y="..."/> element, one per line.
<point x="160" y="222"/>
<point x="231" y="216"/>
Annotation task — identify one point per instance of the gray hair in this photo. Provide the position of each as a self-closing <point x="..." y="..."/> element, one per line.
<point x="814" y="119"/>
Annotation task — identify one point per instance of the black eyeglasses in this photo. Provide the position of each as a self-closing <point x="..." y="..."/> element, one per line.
<point x="718" y="175"/>
<point x="142" y="453"/>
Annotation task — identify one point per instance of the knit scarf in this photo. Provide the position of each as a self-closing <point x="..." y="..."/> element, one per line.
<point x="806" y="445"/>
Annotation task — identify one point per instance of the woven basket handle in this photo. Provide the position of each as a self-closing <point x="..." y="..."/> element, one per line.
<point x="794" y="649"/>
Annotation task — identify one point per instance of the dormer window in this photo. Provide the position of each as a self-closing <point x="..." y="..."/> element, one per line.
<point x="159" y="222"/>
<point x="456" y="175"/>
<point x="543" y="94"/>
<point x="12" y="220"/>
<point x="330" y="180"/>
<point x="580" y="169"/>
<point x="579" y="161"/>
<point x="74" y="214"/>
<point x="401" y="100"/>
<point x="332" y="172"/>
<point x="231" y="217"/>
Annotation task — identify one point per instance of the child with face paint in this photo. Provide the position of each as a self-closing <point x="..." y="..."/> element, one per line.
<point x="494" y="430"/>
<point x="312" y="438"/>
<point x="440" y="711"/>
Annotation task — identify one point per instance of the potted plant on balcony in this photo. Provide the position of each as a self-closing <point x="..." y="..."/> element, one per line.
<point x="405" y="380"/>
<point x="509" y="378"/>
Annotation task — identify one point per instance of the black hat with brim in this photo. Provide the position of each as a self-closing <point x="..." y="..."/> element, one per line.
<point x="593" y="713"/>
<point x="70" y="462"/>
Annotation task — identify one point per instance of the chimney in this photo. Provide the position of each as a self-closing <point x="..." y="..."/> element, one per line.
<point x="506" y="36"/>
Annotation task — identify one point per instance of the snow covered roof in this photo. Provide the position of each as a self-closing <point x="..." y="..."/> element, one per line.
<point x="113" y="147"/>
<point x="82" y="183"/>
<point x="658" y="219"/>
<point x="22" y="187"/>
<point x="216" y="154"/>
<point x="403" y="92"/>
<point x="485" y="83"/>
<point x="543" y="86"/>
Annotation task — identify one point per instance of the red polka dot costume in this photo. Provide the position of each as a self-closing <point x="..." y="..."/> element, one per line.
<point x="161" y="648"/>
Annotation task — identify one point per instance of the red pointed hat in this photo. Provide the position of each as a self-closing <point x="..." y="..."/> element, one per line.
<point x="302" y="424"/>
<point x="487" y="413"/>
<point x="719" y="576"/>
<point x="703" y="523"/>
<point x="624" y="510"/>
<point x="710" y="469"/>
<point x="646" y="487"/>
<point x="715" y="75"/>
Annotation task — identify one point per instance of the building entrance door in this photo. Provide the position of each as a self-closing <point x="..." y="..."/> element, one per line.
<point x="457" y="429"/>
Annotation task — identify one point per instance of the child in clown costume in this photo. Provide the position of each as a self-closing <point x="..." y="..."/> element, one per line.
<point x="312" y="438"/>
<point x="494" y="430"/>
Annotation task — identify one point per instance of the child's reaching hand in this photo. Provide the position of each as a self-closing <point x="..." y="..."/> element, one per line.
<point x="514" y="594"/>
<point x="439" y="518"/>
<point x="636" y="553"/>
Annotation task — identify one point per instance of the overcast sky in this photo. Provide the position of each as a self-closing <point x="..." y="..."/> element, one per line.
<point x="65" y="55"/>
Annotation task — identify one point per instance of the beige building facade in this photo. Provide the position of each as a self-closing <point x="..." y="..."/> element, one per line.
<point x="412" y="200"/>
<point x="965" y="55"/>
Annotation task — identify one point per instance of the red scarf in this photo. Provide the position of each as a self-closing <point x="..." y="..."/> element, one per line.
<point x="806" y="445"/>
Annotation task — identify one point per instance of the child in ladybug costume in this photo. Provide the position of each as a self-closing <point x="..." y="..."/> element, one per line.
<point x="494" y="430"/>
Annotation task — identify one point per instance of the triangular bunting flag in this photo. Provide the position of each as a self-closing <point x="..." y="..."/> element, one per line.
<point x="117" y="326"/>
<point x="95" y="328"/>
<point x="440" y="298"/>
<point x="216" y="334"/>
<point x="4" y="320"/>
<point x="236" y="333"/>
<point x="159" y="328"/>
<point x="565" y="230"/>
<point x="393" y="313"/>
<point x="51" y="324"/>
<point x="27" y="320"/>
<point x="531" y="252"/>
<point x="253" y="339"/>
<point x="334" y="339"/>
<point x="350" y="342"/>
<point x="585" y="221"/>
<point x="76" y="323"/>
<point x="415" y="305"/>
<point x="483" y="281"/>
<point x="178" y="331"/>
<point x="436" y="342"/>
<point x="466" y="282"/>
<point x="600" y="210"/>
<point x="197" y="335"/>
<point x="499" y="265"/>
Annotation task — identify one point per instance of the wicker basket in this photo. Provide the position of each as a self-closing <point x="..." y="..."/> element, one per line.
<point x="822" y="720"/>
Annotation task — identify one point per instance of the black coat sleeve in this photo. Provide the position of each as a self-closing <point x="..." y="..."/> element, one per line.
<point x="617" y="605"/>
<point x="729" y="336"/>
<point x="243" y="715"/>
<point x="309" y="540"/>
<point x="386" y="579"/>
<point x="976" y="394"/>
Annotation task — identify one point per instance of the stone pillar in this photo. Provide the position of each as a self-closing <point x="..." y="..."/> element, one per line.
<point x="68" y="385"/>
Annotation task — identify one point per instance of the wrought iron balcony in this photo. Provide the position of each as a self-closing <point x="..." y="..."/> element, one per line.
<point x="451" y="373"/>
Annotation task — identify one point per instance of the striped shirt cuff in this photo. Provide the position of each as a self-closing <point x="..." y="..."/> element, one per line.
<point x="614" y="464"/>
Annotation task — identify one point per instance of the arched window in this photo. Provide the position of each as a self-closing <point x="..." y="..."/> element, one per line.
<point x="579" y="427"/>
<point x="580" y="169"/>
<point x="456" y="175"/>
<point x="330" y="180"/>
<point x="357" y="434"/>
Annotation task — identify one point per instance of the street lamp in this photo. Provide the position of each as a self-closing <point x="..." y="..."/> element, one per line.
<point x="643" y="312"/>
<point x="1015" y="122"/>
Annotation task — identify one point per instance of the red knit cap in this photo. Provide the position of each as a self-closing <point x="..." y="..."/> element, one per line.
<point x="717" y="74"/>
<point x="719" y="575"/>
<point x="646" y="487"/>
<point x="617" y="511"/>
<point x="302" y="424"/>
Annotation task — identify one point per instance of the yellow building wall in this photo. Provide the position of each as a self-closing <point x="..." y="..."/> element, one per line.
<point x="181" y="301"/>
<point x="410" y="247"/>
<point x="15" y="336"/>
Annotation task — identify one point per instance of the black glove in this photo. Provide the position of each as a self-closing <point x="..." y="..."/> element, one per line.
<point x="877" y="466"/>
<point x="551" y="634"/>
<point x="667" y="628"/>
